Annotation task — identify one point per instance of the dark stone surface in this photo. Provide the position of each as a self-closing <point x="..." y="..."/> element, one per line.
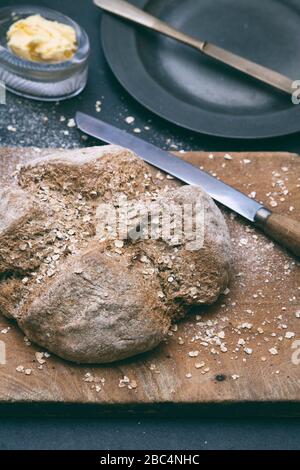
<point x="154" y="434"/>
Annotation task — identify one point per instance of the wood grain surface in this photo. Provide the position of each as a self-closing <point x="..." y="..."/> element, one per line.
<point x="257" y="320"/>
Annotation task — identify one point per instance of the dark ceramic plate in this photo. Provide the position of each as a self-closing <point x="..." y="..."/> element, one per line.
<point x="197" y="93"/>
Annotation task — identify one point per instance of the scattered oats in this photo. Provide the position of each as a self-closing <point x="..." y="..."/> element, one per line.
<point x="66" y="132"/>
<point x="88" y="377"/>
<point x="221" y="334"/>
<point x="273" y="203"/>
<point x="47" y="355"/>
<point x="226" y="291"/>
<point x="26" y="341"/>
<point x="161" y="295"/>
<point x="194" y="353"/>
<point x="188" y="376"/>
<point x="71" y="123"/>
<point x="246" y="161"/>
<point x="207" y="369"/>
<point x="223" y="348"/>
<point x="210" y="156"/>
<point x="193" y="291"/>
<point x="252" y="195"/>
<point x="132" y="385"/>
<point x="199" y="365"/>
<point x="248" y="351"/>
<point x="137" y="130"/>
<point x="174" y="327"/>
<point x="297" y="314"/>
<point x="245" y="326"/>
<point x="273" y="351"/>
<point x="62" y="119"/>
<point x="244" y="241"/>
<point x="78" y="270"/>
<point x="11" y="128"/>
<point x="227" y="156"/>
<point x="125" y="379"/>
<point x="290" y="335"/>
<point x="159" y="176"/>
<point x="285" y="169"/>
<point x="260" y="330"/>
<point x="59" y="235"/>
<point x="119" y="243"/>
<point x="171" y="279"/>
<point x="98" y="105"/>
<point x="169" y="177"/>
<point x="5" y="330"/>
<point x="180" y="341"/>
<point x="235" y="376"/>
<point x="129" y="119"/>
<point x="40" y="357"/>
<point x="28" y="371"/>
<point x="20" y="369"/>
<point x="241" y="342"/>
<point x="98" y="388"/>
<point x="263" y="359"/>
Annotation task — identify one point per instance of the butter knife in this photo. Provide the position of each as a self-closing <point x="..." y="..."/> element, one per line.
<point x="137" y="15"/>
<point x="280" y="228"/>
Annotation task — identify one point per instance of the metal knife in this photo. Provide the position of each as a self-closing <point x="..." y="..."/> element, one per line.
<point x="283" y="229"/>
<point x="137" y="15"/>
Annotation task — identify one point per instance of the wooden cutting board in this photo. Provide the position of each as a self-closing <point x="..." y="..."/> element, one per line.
<point x="258" y="372"/>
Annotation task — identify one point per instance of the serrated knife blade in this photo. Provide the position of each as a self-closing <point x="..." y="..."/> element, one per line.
<point x="175" y="166"/>
<point x="281" y="228"/>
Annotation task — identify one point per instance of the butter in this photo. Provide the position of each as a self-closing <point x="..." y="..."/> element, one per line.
<point x="40" y="40"/>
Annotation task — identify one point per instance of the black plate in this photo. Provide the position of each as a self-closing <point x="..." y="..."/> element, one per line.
<point x="197" y="93"/>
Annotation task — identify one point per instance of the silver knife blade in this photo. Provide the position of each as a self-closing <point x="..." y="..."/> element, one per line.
<point x="175" y="166"/>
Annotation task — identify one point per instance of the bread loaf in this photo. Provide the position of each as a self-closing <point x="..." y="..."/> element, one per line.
<point x="92" y="299"/>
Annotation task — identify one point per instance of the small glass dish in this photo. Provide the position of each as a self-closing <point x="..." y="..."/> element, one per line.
<point x="42" y="81"/>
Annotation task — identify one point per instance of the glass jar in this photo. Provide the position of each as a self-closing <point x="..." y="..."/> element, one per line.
<point x="42" y="81"/>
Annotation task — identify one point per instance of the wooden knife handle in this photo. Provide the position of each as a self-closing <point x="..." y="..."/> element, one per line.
<point x="283" y="229"/>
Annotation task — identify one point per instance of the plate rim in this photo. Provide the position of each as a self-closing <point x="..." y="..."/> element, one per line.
<point x="109" y="28"/>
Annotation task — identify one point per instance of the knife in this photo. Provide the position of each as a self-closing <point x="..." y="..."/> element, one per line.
<point x="137" y="15"/>
<point x="283" y="229"/>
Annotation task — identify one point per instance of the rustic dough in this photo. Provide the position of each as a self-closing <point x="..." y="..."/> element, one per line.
<point x="93" y="301"/>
